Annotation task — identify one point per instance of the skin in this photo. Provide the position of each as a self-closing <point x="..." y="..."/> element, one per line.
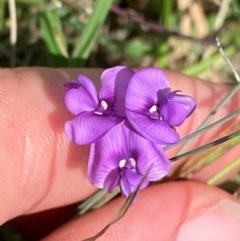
<point x="41" y="169"/>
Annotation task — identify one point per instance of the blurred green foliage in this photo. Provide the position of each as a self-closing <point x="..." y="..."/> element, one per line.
<point x="88" y="33"/>
<point x="8" y="234"/>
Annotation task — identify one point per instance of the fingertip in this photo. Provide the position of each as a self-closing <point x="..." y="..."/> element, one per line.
<point x="157" y="214"/>
<point x="218" y="222"/>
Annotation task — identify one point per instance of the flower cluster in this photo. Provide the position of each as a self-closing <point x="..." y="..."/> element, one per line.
<point x="127" y="124"/>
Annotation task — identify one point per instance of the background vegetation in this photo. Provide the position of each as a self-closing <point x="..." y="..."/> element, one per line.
<point x="178" y="35"/>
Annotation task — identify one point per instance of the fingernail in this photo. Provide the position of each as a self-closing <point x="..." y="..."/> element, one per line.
<point x="220" y="222"/>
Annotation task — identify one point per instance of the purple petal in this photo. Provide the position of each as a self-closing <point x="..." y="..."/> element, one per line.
<point x="125" y="186"/>
<point x="146" y="88"/>
<point x="112" y="180"/>
<point x="88" y="86"/>
<point x="78" y="100"/>
<point x="156" y="161"/>
<point x="186" y="101"/>
<point x="105" y="155"/>
<point x="135" y="178"/>
<point x="114" y="85"/>
<point x="173" y="113"/>
<point x="121" y="143"/>
<point x="88" y="127"/>
<point x="145" y="154"/>
<point x="73" y="84"/>
<point x="100" y="170"/>
<point x="154" y="130"/>
<point x="148" y="158"/>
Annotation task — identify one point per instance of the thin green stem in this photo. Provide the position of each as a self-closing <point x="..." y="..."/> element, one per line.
<point x="213" y="180"/>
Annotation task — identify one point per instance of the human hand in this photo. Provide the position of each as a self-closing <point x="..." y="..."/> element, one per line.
<point x="42" y="169"/>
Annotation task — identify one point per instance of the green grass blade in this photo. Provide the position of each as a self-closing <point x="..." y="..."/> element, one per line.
<point x="90" y="32"/>
<point x="39" y="3"/>
<point x="52" y="33"/>
<point x="214" y="180"/>
<point x="2" y="8"/>
<point x="167" y="6"/>
<point x="200" y="67"/>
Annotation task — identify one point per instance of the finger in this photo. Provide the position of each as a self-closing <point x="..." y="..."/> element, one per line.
<point x="40" y="167"/>
<point x="173" y="211"/>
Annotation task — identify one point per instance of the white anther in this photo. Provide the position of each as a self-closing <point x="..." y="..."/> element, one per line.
<point x="122" y="163"/>
<point x="98" y="113"/>
<point x="155" y="117"/>
<point x="133" y="162"/>
<point x="153" y="109"/>
<point x="104" y="104"/>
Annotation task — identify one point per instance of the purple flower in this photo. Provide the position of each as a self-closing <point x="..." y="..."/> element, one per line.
<point x="152" y="109"/>
<point x="96" y="113"/>
<point x="122" y="158"/>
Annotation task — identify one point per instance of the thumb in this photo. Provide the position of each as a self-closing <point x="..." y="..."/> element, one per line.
<point x="220" y="221"/>
<point x="172" y="211"/>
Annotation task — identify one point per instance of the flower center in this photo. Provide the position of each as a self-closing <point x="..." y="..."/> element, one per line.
<point x="130" y="163"/>
<point x="154" y="113"/>
<point x="133" y="162"/>
<point x="104" y="104"/>
<point x="102" y="107"/>
<point x="98" y="113"/>
<point x="153" y="109"/>
<point x="122" y="163"/>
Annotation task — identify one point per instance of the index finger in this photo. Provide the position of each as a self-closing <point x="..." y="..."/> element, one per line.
<point x="40" y="167"/>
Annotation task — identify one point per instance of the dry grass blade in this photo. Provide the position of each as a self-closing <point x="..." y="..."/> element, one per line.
<point x="222" y="14"/>
<point x="237" y="194"/>
<point x="13" y="31"/>
<point x="156" y="27"/>
<point x="91" y="201"/>
<point x="122" y="211"/>
<point x="216" y="109"/>
<point x="106" y="198"/>
<point x="236" y="76"/>
<point x="225" y="98"/>
<point x="196" y="162"/>
<point x="207" y="146"/>
<point x="196" y="133"/>
<point x="97" y="200"/>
